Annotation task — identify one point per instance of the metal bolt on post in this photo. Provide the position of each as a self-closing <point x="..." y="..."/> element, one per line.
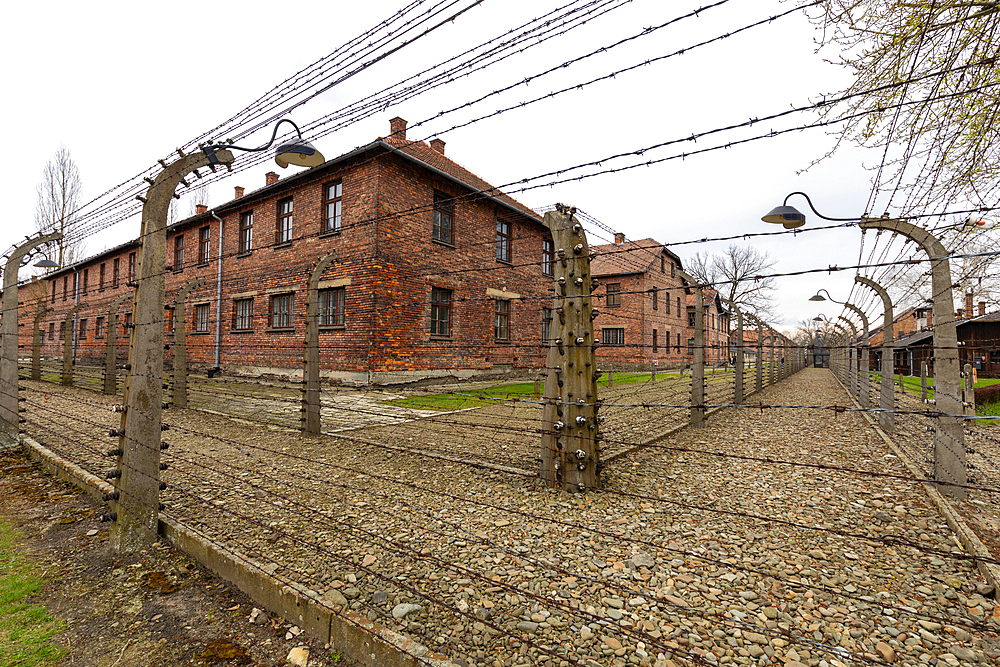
<point x="571" y="424"/>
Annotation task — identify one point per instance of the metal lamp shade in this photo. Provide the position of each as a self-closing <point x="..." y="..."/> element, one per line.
<point x="785" y="215"/>
<point x="298" y="152"/>
<point x="46" y="264"/>
<point x="817" y="297"/>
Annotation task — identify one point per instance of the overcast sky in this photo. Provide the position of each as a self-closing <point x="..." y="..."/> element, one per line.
<point x="121" y="84"/>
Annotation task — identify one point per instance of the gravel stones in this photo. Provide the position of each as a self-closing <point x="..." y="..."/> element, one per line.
<point x="401" y="611"/>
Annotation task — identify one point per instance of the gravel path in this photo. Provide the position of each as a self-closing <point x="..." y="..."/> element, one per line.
<point x="685" y="558"/>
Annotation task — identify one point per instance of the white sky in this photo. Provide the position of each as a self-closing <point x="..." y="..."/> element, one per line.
<point x="121" y="84"/>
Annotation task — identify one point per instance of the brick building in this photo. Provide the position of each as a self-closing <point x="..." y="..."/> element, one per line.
<point x="647" y="312"/>
<point x="437" y="274"/>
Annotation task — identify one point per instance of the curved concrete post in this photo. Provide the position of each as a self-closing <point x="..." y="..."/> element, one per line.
<point x="738" y="370"/>
<point x="179" y="396"/>
<point x="698" y="363"/>
<point x="110" y="341"/>
<point x="311" y="416"/>
<point x="759" y="379"/>
<point x="852" y="357"/>
<point x="887" y="401"/>
<point x="770" y="354"/>
<point x="8" y="328"/>
<point x="863" y="380"/>
<point x="68" y="323"/>
<point x="949" y="445"/>
<point x="136" y="512"/>
<point x="36" y="344"/>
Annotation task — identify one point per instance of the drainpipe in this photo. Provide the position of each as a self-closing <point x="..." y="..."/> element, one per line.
<point x="218" y="296"/>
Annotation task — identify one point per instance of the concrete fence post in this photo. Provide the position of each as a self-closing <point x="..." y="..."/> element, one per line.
<point x="970" y="391"/>
<point x="69" y="335"/>
<point x="571" y="425"/>
<point x="738" y="366"/>
<point x="923" y="381"/>
<point x="759" y="384"/>
<point x="312" y="421"/>
<point x="179" y="395"/>
<point x="110" y="343"/>
<point x="887" y="401"/>
<point x="36" y="344"/>
<point x="770" y="354"/>
<point x="697" y="410"/>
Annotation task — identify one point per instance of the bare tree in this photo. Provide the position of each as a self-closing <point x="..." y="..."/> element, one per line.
<point x="924" y="91"/>
<point x="737" y="274"/>
<point x="59" y="195"/>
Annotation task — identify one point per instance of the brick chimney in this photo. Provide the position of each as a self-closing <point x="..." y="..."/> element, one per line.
<point x="397" y="129"/>
<point x="438" y="145"/>
<point x="982" y="307"/>
<point x="200" y="208"/>
<point x="968" y="304"/>
<point x="271" y="178"/>
<point x="619" y="238"/>
<point x="239" y="192"/>
<point x="930" y="318"/>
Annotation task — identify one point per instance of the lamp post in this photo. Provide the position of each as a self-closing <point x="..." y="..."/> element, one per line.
<point x="8" y="326"/>
<point x="949" y="441"/>
<point x="135" y="503"/>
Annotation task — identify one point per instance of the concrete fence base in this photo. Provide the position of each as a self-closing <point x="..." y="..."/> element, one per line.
<point x="359" y="638"/>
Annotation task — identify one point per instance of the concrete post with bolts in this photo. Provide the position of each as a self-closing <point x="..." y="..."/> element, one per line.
<point x="110" y="341"/>
<point x="68" y="324"/>
<point x="697" y="417"/>
<point x="862" y="367"/>
<point x="852" y="358"/>
<point x="759" y="379"/>
<point x="135" y="512"/>
<point x="738" y="370"/>
<point x="8" y="330"/>
<point x="770" y="354"/>
<point x="887" y="401"/>
<point x="949" y="441"/>
<point x="570" y="420"/>
<point x="36" y="344"/>
<point x="923" y="381"/>
<point x="970" y="391"/>
<point x="179" y="395"/>
<point x="311" y="397"/>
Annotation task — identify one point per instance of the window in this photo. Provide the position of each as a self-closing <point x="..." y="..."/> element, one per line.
<point x="663" y="264"/>
<point x="613" y="336"/>
<point x="131" y="267"/>
<point x="673" y="269"/>
<point x="246" y="232"/>
<point x="994" y="355"/>
<point x="666" y="304"/>
<point x="281" y="310"/>
<point x="53" y="291"/>
<point x="52" y="330"/>
<point x="444" y="212"/>
<point x="656" y="346"/>
<point x="65" y="287"/>
<point x="503" y="240"/>
<point x="83" y="329"/>
<point x="331" y="307"/>
<point x="179" y="252"/>
<point x="656" y="298"/>
<point x="440" y="312"/>
<point x="201" y="312"/>
<point x="204" y="245"/>
<point x="678" y="342"/>
<point x="547" y="256"/>
<point x="86" y="279"/>
<point x="332" y="193"/>
<point x="501" y="326"/>
<point x="614" y="295"/>
<point x="283" y="231"/>
<point x="99" y="327"/>
<point x="546" y="324"/>
<point x="101" y="274"/>
<point x="127" y="324"/>
<point x="690" y="345"/>
<point x="678" y="306"/>
<point x="115" y="272"/>
<point x="691" y="319"/>
<point x="243" y="314"/>
<point x="62" y="330"/>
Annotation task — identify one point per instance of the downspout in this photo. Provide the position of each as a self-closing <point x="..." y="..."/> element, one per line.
<point x="218" y="296"/>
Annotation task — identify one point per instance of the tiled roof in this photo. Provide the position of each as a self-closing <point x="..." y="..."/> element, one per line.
<point x="420" y="151"/>
<point x="626" y="258"/>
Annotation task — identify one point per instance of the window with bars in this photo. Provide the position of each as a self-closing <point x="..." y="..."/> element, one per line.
<point x="131" y="267"/>
<point x="243" y="314"/>
<point x="548" y="256"/>
<point x="691" y="319"/>
<point x="331" y="307"/>
<point x="283" y="229"/>
<point x="62" y="330"/>
<point x="666" y="304"/>
<point x="101" y="275"/>
<point x="440" y="312"/>
<point x="201" y="316"/>
<point x="82" y="329"/>
<point x="53" y="291"/>
<point x="444" y="214"/>
<point x="656" y="298"/>
<point x="332" y="193"/>
<point x="115" y="273"/>
<point x="613" y="336"/>
<point x="179" y="252"/>
<point x="614" y="298"/>
<point x="281" y="310"/>
<point x="546" y="324"/>
<point x="503" y="240"/>
<point x="656" y="344"/>
<point x="246" y="232"/>
<point x="204" y="245"/>
<point x="99" y="327"/>
<point x="52" y="330"/>
<point x="86" y="280"/>
<point x="501" y="323"/>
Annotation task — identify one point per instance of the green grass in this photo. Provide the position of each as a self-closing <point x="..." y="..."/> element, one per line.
<point x="25" y="630"/>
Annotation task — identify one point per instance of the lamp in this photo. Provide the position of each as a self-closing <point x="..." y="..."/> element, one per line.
<point x="295" y="151"/>
<point x="46" y="264"/>
<point x="791" y="218"/>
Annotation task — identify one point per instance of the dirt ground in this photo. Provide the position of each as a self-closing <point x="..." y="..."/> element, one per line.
<point x="159" y="608"/>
